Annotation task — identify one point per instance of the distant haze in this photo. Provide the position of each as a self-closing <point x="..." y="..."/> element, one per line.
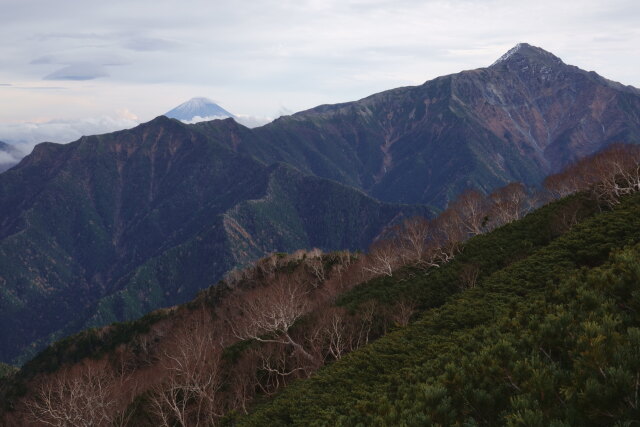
<point x="97" y="66"/>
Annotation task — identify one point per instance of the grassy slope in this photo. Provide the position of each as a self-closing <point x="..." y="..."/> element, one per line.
<point x="458" y="363"/>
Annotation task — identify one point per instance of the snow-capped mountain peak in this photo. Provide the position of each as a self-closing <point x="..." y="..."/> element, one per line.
<point x="198" y="108"/>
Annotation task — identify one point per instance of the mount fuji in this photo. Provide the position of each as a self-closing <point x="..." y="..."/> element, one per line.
<point x="198" y="109"/>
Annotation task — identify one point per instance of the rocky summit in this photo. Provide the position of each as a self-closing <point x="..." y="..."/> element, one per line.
<point x="523" y="117"/>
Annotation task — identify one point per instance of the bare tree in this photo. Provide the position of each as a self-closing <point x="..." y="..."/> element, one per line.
<point x="383" y="258"/>
<point x="243" y="380"/>
<point x="365" y="320"/>
<point x="268" y="313"/>
<point x="472" y="208"/>
<point x="333" y="333"/>
<point x="508" y="203"/>
<point x="567" y="182"/>
<point x="609" y="175"/>
<point x="278" y="366"/>
<point x="190" y="394"/>
<point x="413" y="235"/>
<point x="84" y="398"/>
<point x="317" y="268"/>
<point x="615" y="173"/>
<point x="447" y="237"/>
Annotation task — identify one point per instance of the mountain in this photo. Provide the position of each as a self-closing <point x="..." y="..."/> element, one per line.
<point x="9" y="156"/>
<point x="543" y="331"/>
<point x="548" y="338"/>
<point x="523" y="117"/>
<point x="201" y="108"/>
<point x="110" y="227"/>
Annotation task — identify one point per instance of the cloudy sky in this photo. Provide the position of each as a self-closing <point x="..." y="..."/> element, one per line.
<point x="71" y="67"/>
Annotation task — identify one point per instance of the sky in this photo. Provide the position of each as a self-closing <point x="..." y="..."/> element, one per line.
<point x="72" y="67"/>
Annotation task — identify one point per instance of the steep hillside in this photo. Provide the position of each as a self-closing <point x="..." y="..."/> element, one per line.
<point x="142" y="352"/>
<point x="110" y="227"/>
<point x="551" y="338"/>
<point x="520" y="119"/>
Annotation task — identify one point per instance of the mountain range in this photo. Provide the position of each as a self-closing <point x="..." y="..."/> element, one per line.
<point x="110" y="227"/>
<point x="522" y="118"/>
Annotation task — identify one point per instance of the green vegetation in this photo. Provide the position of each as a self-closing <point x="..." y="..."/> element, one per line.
<point x="6" y="370"/>
<point x="486" y="253"/>
<point x="108" y="237"/>
<point x="550" y="336"/>
<point x="532" y="323"/>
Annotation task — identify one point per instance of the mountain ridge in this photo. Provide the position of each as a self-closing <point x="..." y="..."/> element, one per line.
<point x="114" y="225"/>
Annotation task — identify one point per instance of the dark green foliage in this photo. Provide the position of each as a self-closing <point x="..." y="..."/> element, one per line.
<point x="125" y="223"/>
<point x="486" y="253"/>
<point x="90" y="343"/>
<point x="110" y="227"/>
<point x="551" y="338"/>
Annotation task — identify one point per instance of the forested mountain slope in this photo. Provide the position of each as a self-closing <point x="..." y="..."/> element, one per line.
<point x="524" y="117"/>
<point x="550" y="338"/>
<point x="524" y="324"/>
<point x="111" y="227"/>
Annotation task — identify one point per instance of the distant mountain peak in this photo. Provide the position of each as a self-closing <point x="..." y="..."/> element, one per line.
<point x="198" y="107"/>
<point x="524" y="52"/>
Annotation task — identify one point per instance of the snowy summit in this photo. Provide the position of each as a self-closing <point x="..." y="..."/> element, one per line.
<point x="509" y="53"/>
<point x="525" y="51"/>
<point x="198" y="109"/>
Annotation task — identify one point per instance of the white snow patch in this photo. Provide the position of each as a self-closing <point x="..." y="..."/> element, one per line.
<point x="509" y="54"/>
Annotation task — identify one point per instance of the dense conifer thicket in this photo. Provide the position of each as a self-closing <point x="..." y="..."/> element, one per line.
<point x="550" y="338"/>
<point x="441" y="322"/>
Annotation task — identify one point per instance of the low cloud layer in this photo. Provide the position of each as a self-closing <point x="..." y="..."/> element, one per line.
<point x="24" y="136"/>
<point x="245" y="120"/>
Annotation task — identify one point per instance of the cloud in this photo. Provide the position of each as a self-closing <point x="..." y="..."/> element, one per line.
<point x="252" y="121"/>
<point x="80" y="71"/>
<point x="198" y="119"/>
<point x="72" y="36"/>
<point x="5" y="84"/>
<point x="284" y="111"/>
<point x="148" y="44"/>
<point x="47" y="59"/>
<point x="299" y="53"/>
<point x="8" y="158"/>
<point x="243" y="119"/>
<point x="38" y="88"/>
<point x="24" y="136"/>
